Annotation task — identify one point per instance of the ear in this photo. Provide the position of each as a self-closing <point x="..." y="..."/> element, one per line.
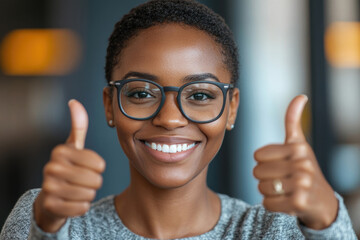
<point x="108" y="104"/>
<point x="233" y="108"/>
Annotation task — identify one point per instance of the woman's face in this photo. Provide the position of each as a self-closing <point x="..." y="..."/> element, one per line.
<point x="170" y="53"/>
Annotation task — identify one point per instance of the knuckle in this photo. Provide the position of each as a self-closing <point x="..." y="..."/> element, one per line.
<point x="303" y="181"/>
<point x="256" y="172"/>
<point x="256" y="154"/>
<point x="256" y="157"/>
<point x="98" y="181"/>
<point x="52" y="168"/>
<point x="87" y="206"/>
<point x="83" y="208"/>
<point x="102" y="165"/>
<point x="299" y="149"/>
<point x="92" y="194"/>
<point x="299" y="202"/>
<point x="305" y="165"/>
<point x="59" y="151"/>
<point x="299" y="205"/>
<point x="49" y="187"/>
<point x="49" y="169"/>
<point x="49" y="205"/>
<point x="46" y="170"/>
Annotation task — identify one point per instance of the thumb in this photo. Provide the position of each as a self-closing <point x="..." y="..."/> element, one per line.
<point x="293" y="130"/>
<point x="79" y="124"/>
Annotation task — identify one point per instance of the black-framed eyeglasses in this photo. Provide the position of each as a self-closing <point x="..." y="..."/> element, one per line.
<point x="199" y="101"/>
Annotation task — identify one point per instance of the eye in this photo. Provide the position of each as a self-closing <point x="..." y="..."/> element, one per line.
<point x="200" y="96"/>
<point x="139" y="94"/>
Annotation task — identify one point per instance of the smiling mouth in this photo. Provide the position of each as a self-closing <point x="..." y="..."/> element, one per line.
<point x="170" y="148"/>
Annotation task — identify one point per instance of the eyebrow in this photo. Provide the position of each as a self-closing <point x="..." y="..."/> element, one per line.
<point x="189" y="78"/>
<point x="201" y="76"/>
<point x="140" y="75"/>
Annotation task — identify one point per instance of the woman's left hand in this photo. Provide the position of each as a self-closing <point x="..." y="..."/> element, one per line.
<point x="290" y="178"/>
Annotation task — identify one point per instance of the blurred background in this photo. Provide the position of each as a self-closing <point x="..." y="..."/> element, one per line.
<point x="54" y="50"/>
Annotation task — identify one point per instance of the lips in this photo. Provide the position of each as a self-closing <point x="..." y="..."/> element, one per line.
<point x="169" y="149"/>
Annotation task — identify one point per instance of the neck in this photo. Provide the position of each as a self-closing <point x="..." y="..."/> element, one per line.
<point x="155" y="212"/>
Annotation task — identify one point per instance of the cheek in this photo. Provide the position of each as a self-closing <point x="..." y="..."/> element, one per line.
<point x="214" y="132"/>
<point x="126" y="129"/>
<point x="215" y="135"/>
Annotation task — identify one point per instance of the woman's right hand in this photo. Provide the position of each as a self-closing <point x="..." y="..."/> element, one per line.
<point x="71" y="177"/>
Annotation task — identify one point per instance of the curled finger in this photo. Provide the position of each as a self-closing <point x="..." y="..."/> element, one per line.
<point x="272" y="170"/>
<point x="63" y="208"/>
<point x="74" y="175"/>
<point x="268" y="188"/>
<point x="67" y="191"/>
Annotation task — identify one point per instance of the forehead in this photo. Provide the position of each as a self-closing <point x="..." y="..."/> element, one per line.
<point x="171" y="49"/>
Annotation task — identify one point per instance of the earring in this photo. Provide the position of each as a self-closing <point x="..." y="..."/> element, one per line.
<point x="111" y="123"/>
<point x="232" y="126"/>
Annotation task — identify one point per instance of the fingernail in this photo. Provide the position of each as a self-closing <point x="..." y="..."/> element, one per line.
<point x="305" y="96"/>
<point x="70" y="101"/>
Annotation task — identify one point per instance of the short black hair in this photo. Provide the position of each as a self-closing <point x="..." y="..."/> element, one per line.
<point x="187" y="12"/>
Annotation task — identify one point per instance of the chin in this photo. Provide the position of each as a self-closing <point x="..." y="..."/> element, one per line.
<point x="171" y="178"/>
<point x="169" y="183"/>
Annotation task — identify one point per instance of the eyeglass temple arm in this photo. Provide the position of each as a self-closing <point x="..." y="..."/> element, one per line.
<point x="111" y="83"/>
<point x="230" y="86"/>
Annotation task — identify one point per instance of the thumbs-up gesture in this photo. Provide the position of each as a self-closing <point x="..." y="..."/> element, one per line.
<point x="71" y="177"/>
<point x="290" y="178"/>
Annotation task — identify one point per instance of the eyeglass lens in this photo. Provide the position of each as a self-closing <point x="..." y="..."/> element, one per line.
<point x="199" y="101"/>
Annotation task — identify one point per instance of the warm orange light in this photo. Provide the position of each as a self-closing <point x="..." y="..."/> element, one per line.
<point x="342" y="44"/>
<point x="40" y="52"/>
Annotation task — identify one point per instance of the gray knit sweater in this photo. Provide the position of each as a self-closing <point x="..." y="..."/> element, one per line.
<point x="238" y="220"/>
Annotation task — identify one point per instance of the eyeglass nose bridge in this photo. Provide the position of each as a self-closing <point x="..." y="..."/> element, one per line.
<point x="171" y="88"/>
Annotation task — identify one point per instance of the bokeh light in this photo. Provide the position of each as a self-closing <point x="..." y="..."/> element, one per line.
<point x="342" y="44"/>
<point x="40" y="52"/>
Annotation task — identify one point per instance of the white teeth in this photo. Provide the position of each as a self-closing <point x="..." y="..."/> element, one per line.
<point x="184" y="147"/>
<point x="153" y="145"/>
<point x="174" y="148"/>
<point x="165" y="148"/>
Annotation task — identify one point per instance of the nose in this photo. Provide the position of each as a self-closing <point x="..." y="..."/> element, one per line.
<point x="170" y="116"/>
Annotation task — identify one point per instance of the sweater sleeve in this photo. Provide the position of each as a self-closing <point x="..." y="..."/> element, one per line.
<point x="341" y="228"/>
<point x="21" y="224"/>
<point x="37" y="233"/>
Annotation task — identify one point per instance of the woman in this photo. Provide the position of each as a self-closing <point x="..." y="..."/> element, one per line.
<point x="171" y="68"/>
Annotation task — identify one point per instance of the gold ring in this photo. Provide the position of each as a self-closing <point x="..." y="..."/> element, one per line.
<point x="278" y="187"/>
